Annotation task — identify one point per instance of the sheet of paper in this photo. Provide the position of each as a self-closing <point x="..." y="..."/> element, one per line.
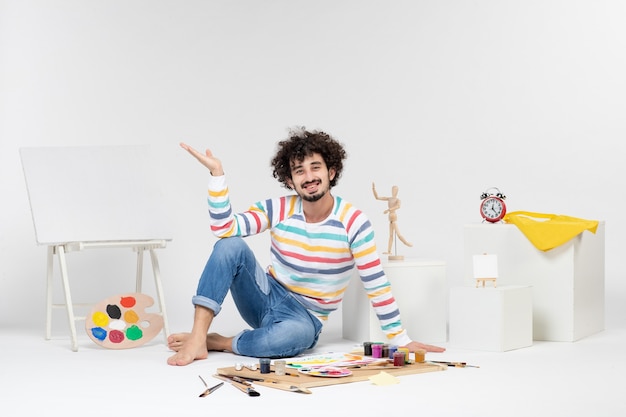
<point x="383" y="378"/>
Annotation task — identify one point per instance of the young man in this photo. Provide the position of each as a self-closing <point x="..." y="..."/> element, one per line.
<point x="317" y="240"/>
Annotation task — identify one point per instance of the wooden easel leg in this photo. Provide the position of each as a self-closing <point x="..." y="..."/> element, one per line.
<point x="49" y="283"/>
<point x="159" y="290"/>
<point x="138" y="283"/>
<point x="68" y="297"/>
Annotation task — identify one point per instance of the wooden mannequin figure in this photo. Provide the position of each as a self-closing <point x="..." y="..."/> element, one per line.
<point x="393" y="204"/>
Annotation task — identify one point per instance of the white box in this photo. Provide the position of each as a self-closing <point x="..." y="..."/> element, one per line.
<point x="567" y="281"/>
<point x="493" y="319"/>
<point x="420" y="289"/>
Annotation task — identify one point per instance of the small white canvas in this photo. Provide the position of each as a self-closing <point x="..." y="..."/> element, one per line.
<point x="485" y="266"/>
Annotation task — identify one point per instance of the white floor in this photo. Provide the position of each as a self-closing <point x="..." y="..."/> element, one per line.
<point x="584" y="378"/>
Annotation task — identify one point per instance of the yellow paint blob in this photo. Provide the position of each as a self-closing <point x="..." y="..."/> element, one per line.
<point x="100" y="319"/>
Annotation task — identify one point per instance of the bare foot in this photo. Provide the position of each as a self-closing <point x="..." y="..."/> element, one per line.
<point x="187" y="349"/>
<point x="176" y="341"/>
<point x="215" y="341"/>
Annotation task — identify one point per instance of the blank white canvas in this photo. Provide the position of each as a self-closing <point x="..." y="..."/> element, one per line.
<point x="485" y="266"/>
<point x="93" y="194"/>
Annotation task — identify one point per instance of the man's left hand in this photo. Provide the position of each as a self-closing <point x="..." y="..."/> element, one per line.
<point x="413" y="346"/>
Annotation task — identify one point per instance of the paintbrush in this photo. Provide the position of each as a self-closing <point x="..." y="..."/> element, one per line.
<point x="209" y="390"/>
<point x="455" y="364"/>
<point x="269" y="382"/>
<point x="380" y="364"/>
<point x="284" y="386"/>
<point x="245" y="388"/>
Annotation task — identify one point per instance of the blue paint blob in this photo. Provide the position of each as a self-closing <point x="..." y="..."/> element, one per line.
<point x="99" y="333"/>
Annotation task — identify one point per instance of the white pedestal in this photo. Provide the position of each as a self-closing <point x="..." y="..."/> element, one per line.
<point x="567" y="281"/>
<point x="420" y="289"/>
<point x="493" y="319"/>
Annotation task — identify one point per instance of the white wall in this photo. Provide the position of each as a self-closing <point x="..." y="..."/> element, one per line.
<point x="442" y="98"/>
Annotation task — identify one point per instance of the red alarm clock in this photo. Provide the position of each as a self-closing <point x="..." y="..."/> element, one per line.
<point x="492" y="207"/>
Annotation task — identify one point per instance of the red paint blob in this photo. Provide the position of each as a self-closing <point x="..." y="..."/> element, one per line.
<point x="115" y="336"/>
<point x="128" y="302"/>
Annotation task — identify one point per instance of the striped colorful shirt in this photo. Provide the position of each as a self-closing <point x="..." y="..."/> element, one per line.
<point x="315" y="261"/>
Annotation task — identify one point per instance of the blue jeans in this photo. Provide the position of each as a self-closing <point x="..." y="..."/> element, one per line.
<point x="281" y="326"/>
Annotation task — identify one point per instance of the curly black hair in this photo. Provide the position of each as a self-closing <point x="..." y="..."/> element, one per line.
<point x="302" y="143"/>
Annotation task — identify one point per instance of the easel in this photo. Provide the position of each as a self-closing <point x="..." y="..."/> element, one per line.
<point x="483" y="280"/>
<point x="94" y="198"/>
<point x="60" y="250"/>
<point x="485" y="269"/>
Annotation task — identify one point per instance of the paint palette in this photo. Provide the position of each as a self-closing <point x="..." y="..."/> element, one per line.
<point x="120" y="322"/>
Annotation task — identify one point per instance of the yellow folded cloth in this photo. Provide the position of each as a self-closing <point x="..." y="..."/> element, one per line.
<point x="547" y="231"/>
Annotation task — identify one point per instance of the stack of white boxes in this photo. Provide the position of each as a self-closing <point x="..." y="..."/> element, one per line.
<point x="567" y="284"/>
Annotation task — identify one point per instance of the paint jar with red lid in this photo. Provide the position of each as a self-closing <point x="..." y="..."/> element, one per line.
<point x="398" y="358"/>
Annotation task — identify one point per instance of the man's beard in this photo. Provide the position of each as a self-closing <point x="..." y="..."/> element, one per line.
<point x="313" y="198"/>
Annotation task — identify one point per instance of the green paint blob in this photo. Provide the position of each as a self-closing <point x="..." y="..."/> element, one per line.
<point x="134" y="333"/>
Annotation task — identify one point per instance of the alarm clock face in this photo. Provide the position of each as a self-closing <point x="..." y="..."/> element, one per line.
<point x="492" y="209"/>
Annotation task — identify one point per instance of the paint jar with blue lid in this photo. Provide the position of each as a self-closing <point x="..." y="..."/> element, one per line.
<point x="264" y="364"/>
<point x="392" y="350"/>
